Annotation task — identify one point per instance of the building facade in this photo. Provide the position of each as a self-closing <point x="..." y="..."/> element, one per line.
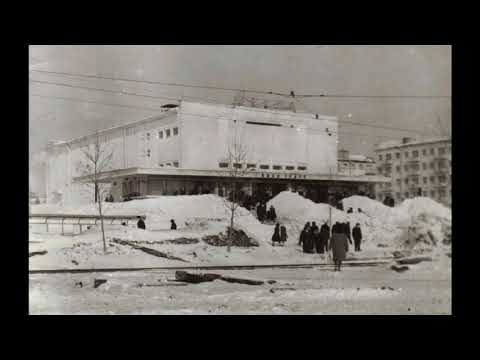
<point x="416" y="168"/>
<point x="355" y="165"/>
<point x="184" y="150"/>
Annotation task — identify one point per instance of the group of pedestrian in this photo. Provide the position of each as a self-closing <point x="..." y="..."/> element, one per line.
<point x="279" y="235"/>
<point x="312" y="239"/>
<point x="264" y="214"/>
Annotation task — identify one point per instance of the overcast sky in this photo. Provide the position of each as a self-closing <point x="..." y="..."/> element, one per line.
<point x="348" y="70"/>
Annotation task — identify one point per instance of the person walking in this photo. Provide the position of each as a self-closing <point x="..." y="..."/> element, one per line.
<point x="308" y="242"/>
<point x="303" y="234"/>
<point x="276" y="234"/>
<point x="260" y="213"/>
<point x="283" y="234"/>
<point x="317" y="241"/>
<point x="173" y="226"/>
<point x="273" y="214"/>
<point x="140" y="223"/>
<point x="339" y="246"/>
<point x="357" y="236"/>
<point x="324" y="236"/>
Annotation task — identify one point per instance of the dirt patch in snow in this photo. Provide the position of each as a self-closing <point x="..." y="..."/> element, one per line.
<point x="240" y="239"/>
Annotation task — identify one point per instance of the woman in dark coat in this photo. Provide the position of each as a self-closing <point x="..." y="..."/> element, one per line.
<point x="348" y="232"/>
<point x="260" y="212"/>
<point x="276" y="234"/>
<point x="283" y="234"/>
<point x="303" y="233"/>
<point x="308" y="243"/>
<point x="339" y="246"/>
<point x="324" y="236"/>
<point x="273" y="213"/>
<point x="317" y="240"/>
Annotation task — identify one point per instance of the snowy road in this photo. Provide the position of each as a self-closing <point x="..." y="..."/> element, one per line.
<point x="374" y="290"/>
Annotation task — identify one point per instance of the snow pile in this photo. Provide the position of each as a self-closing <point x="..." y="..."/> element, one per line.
<point x="158" y="210"/>
<point x="423" y="205"/>
<point x="375" y="209"/>
<point x="289" y="205"/>
<point x="418" y="222"/>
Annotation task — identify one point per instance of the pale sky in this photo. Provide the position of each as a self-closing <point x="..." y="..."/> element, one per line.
<point x="346" y="70"/>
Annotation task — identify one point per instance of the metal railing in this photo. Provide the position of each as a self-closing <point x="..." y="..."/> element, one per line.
<point x="80" y="220"/>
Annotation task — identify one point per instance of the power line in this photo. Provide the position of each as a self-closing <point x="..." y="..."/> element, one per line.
<point x="323" y="95"/>
<point x="168" y="98"/>
<point x="96" y="102"/>
<point x="104" y="90"/>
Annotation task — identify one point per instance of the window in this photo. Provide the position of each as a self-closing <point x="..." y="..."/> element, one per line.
<point x="442" y="179"/>
<point x="432" y="151"/>
<point x="264" y="167"/>
<point x="380" y="157"/>
<point x="406" y="167"/>
<point x="406" y="194"/>
<point x="175" y="131"/>
<point x="397" y="155"/>
<point x="251" y="166"/>
<point x="399" y="182"/>
<point x="424" y="152"/>
<point x="406" y="181"/>
<point x="175" y="163"/>
<point x="289" y="167"/>
<point x="302" y="168"/>
<point x="114" y="183"/>
<point x="167" y="133"/>
<point x="223" y="165"/>
<point x="432" y="165"/>
<point x="148" y="136"/>
<point x="432" y="180"/>
<point x="277" y="167"/>
<point x="441" y="151"/>
<point x="432" y="193"/>
<point x="425" y="180"/>
<point x="406" y="154"/>
<point x="160" y="134"/>
<point x="148" y="152"/>
<point x="415" y="153"/>
<point x="389" y="157"/>
<point x="237" y="166"/>
<point x="415" y="180"/>
<point x="424" y="165"/>
<point x="360" y="166"/>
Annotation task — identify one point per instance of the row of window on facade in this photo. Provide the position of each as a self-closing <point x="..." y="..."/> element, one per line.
<point x="352" y="165"/>
<point x="163" y="134"/>
<point x="398" y="168"/>
<point x="442" y="179"/>
<point x="224" y="165"/>
<point x="441" y="194"/>
<point x="415" y="153"/>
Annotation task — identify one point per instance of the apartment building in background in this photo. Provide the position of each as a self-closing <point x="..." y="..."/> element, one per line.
<point x="416" y="168"/>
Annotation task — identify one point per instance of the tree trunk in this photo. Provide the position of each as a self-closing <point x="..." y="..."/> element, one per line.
<point x="101" y="221"/>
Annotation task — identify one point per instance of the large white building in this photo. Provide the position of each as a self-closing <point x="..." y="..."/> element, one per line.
<point x="184" y="150"/>
<point x="416" y="168"/>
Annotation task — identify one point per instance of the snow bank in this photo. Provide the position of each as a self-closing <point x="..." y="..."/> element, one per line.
<point x="289" y="205"/>
<point x="418" y="222"/>
<point x="423" y="205"/>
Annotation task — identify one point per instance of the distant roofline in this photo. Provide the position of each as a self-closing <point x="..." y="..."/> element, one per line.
<point x="163" y="115"/>
<point x="412" y="143"/>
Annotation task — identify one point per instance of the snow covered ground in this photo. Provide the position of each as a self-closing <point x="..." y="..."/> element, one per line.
<point x="375" y="290"/>
<point x="419" y="225"/>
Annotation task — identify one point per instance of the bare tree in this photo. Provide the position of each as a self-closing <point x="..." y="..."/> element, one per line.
<point x="96" y="159"/>
<point x="237" y="168"/>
